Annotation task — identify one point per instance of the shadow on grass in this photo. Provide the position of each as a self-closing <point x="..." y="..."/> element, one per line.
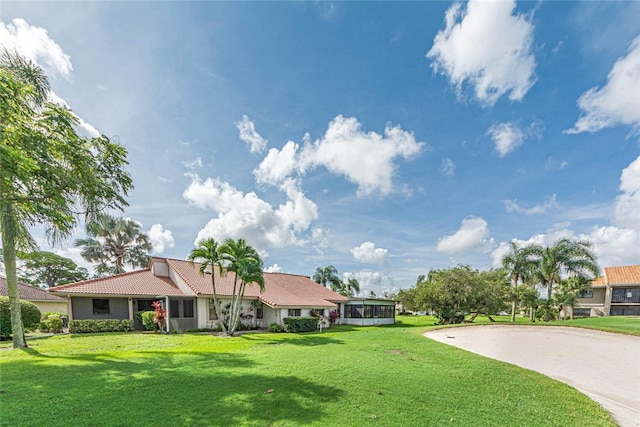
<point x="177" y="389"/>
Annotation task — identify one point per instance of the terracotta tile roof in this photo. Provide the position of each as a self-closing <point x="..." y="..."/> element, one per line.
<point x="598" y="281"/>
<point x="625" y="275"/>
<point x="29" y="293"/>
<point x="140" y="282"/>
<point x="282" y="290"/>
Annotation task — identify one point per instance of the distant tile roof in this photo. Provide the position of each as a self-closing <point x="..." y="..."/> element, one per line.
<point x="281" y="290"/>
<point x="598" y="281"/>
<point x="625" y="275"/>
<point x="29" y="293"/>
<point x="140" y="282"/>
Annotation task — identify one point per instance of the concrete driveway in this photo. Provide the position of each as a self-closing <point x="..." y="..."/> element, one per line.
<point x="604" y="366"/>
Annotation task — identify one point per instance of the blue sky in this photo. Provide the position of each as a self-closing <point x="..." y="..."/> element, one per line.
<point x="385" y="139"/>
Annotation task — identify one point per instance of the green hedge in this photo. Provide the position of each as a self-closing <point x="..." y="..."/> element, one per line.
<point x="300" y="324"/>
<point x="51" y="323"/>
<point x="102" y="325"/>
<point x="30" y="316"/>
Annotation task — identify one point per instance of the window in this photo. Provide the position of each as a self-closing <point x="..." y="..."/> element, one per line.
<point x="174" y="308"/>
<point x="585" y="294"/>
<point x="100" y="306"/>
<point x="581" y="312"/>
<point x="212" y="310"/>
<point x="629" y="295"/>
<point x="353" y="311"/>
<point x="295" y="312"/>
<point x="145" y="305"/>
<point x="187" y="308"/>
<point x="259" y="313"/>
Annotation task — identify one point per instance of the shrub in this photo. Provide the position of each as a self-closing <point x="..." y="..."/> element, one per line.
<point x="147" y="320"/>
<point x="300" y="324"/>
<point x="334" y="315"/>
<point x="275" y="328"/>
<point x="30" y="316"/>
<point x="102" y="325"/>
<point x="51" y="323"/>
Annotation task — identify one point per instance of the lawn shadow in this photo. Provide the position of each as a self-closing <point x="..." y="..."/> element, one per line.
<point x="180" y="389"/>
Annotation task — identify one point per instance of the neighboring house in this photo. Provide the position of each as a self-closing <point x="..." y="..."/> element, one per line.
<point x="617" y="293"/>
<point x="189" y="296"/>
<point x="369" y="311"/>
<point x="42" y="299"/>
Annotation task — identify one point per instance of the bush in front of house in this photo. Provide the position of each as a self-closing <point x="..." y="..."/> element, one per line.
<point x="30" y="316"/>
<point x="100" y="325"/>
<point x="51" y="322"/>
<point x="147" y="320"/>
<point x="300" y="324"/>
<point x="275" y="328"/>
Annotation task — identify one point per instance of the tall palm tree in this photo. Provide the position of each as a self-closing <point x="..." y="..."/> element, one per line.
<point x="518" y="263"/>
<point x="208" y="255"/>
<point x="245" y="262"/>
<point x="565" y="257"/>
<point x="350" y="287"/>
<point x="327" y="275"/>
<point x="114" y="243"/>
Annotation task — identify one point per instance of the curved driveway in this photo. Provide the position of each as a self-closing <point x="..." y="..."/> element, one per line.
<point x="604" y="366"/>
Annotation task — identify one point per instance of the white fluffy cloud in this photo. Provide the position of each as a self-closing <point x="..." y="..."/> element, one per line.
<point x="372" y="281"/>
<point x="472" y="234"/>
<point x="248" y="134"/>
<point x="365" y="158"/>
<point x="368" y="253"/>
<point x="550" y="203"/>
<point x="506" y="136"/>
<point x="616" y="103"/>
<point x="160" y="238"/>
<point x="245" y="215"/>
<point x="34" y="43"/>
<point x="627" y="210"/>
<point x="275" y="268"/>
<point x="488" y="46"/>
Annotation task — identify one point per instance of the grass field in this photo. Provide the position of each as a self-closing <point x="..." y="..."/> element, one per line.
<point x="346" y="376"/>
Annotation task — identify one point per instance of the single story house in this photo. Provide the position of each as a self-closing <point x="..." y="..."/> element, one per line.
<point x="617" y="293"/>
<point x="188" y="296"/>
<point x="44" y="300"/>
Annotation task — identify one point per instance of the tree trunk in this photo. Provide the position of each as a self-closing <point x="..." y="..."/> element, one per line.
<point x="9" y="252"/>
<point x="514" y="303"/>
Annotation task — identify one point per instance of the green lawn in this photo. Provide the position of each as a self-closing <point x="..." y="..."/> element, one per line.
<point x="387" y="376"/>
<point x="621" y="324"/>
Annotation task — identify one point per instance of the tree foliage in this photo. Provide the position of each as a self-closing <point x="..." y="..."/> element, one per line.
<point x="49" y="269"/>
<point x="114" y="243"/>
<point x="454" y="293"/>
<point x="49" y="175"/>
<point x="327" y="276"/>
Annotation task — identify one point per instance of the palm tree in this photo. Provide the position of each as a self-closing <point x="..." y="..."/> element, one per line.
<point x="114" y="243"/>
<point x="209" y="256"/>
<point x="245" y="262"/>
<point x="518" y="263"/>
<point x="328" y="274"/>
<point x="350" y="287"/>
<point x="565" y="257"/>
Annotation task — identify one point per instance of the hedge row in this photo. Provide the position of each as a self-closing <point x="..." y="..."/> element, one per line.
<point x="300" y="324"/>
<point x="102" y="325"/>
<point x="30" y="316"/>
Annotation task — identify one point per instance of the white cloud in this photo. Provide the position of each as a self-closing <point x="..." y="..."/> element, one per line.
<point x="550" y="203"/>
<point x="366" y="159"/>
<point x="86" y="129"/>
<point x="248" y="134"/>
<point x="278" y="165"/>
<point x="506" y="136"/>
<point x="372" y="281"/>
<point x="247" y="216"/>
<point x="447" y="167"/>
<point x="275" y="268"/>
<point x="488" y="46"/>
<point x="617" y="103"/>
<point x="368" y="253"/>
<point x="160" y="238"/>
<point x="195" y="163"/>
<point x="627" y="210"/>
<point x="34" y="43"/>
<point x="473" y="233"/>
